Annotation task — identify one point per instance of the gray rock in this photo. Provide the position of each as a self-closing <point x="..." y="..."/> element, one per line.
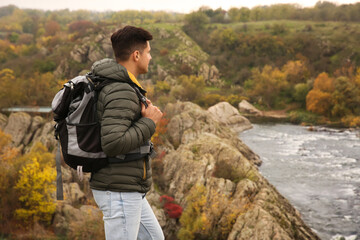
<point x="80" y="53"/>
<point x="73" y="193"/>
<point x="188" y="121"/>
<point x="17" y="126"/>
<point x="246" y="107"/>
<point x="230" y="116"/>
<point x="95" y="54"/>
<point x="35" y="127"/>
<point x="3" y="121"/>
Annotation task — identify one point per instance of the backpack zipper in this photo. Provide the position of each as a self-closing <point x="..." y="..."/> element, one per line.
<point x="144" y="177"/>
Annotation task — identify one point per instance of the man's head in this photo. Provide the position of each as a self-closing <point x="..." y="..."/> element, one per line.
<point x="132" y="43"/>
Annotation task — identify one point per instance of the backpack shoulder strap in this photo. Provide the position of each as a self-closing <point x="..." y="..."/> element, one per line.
<point x="100" y="82"/>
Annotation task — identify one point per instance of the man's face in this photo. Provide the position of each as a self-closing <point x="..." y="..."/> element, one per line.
<point x="145" y="57"/>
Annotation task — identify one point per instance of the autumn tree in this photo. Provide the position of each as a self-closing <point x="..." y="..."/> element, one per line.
<point x="51" y="28"/>
<point x="190" y="88"/>
<point x="319" y="99"/>
<point x="10" y="90"/>
<point x="267" y="85"/>
<point x="36" y="186"/>
<point x="8" y="175"/>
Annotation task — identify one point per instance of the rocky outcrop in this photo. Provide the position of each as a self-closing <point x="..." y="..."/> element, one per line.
<point x="18" y="126"/>
<point x="230" y="116"/>
<point x="232" y="199"/>
<point x="255" y="114"/>
<point x="206" y="167"/>
<point x="211" y="75"/>
<point x="246" y="107"/>
<point x="26" y="130"/>
<point x="188" y="121"/>
<point x="3" y="121"/>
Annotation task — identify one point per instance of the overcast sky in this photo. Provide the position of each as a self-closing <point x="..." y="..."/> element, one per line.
<point x="183" y="6"/>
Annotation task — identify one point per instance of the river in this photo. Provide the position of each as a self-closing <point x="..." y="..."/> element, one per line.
<point x="317" y="171"/>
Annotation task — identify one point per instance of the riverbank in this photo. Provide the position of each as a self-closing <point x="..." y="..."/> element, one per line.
<point x="318" y="171"/>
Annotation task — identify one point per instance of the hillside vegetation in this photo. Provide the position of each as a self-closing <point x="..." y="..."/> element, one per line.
<point x="274" y="56"/>
<point x="277" y="57"/>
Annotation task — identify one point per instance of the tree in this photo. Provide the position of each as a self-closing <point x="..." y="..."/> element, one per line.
<point x="319" y="102"/>
<point x="324" y="83"/>
<point x="195" y="21"/>
<point x="10" y="92"/>
<point x="36" y="186"/>
<point x="267" y="85"/>
<point x="190" y="88"/>
<point x="51" y="28"/>
<point x="8" y="176"/>
<point x="296" y="72"/>
<point x="319" y="99"/>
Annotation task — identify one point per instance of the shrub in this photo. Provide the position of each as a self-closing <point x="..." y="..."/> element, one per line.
<point x="227" y="171"/>
<point x="209" y="100"/>
<point x="92" y="228"/>
<point x="164" y="51"/>
<point x="172" y="209"/>
<point x="351" y="121"/>
<point x="36" y="186"/>
<point x="193" y="220"/>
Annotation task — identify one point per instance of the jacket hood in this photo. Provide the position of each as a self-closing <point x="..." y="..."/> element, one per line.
<point x="109" y="68"/>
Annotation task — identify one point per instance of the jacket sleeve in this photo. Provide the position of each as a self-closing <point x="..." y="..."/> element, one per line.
<point x="121" y="128"/>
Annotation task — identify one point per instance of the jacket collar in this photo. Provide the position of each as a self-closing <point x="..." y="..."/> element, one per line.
<point x="109" y="68"/>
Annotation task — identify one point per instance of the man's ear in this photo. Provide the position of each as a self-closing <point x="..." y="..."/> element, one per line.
<point x="136" y="55"/>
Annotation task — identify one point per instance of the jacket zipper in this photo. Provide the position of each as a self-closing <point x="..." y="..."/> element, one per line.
<point x="144" y="177"/>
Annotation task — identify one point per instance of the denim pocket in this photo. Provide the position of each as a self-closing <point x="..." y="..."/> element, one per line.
<point x="103" y="200"/>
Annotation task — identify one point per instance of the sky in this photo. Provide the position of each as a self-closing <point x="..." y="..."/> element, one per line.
<point x="181" y="6"/>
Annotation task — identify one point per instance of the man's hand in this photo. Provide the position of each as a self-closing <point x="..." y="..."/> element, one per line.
<point x="151" y="112"/>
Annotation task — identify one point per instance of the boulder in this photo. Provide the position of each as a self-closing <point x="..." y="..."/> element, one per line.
<point x="35" y="127"/>
<point x="62" y="70"/>
<point x="80" y="53"/>
<point x="17" y="126"/>
<point x="73" y="193"/>
<point x="210" y="75"/>
<point x="246" y="107"/>
<point x="230" y="116"/>
<point x="162" y="74"/>
<point x="95" y="54"/>
<point x="3" y="121"/>
<point x="188" y="121"/>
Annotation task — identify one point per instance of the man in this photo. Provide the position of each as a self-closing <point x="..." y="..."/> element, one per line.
<point x="126" y="124"/>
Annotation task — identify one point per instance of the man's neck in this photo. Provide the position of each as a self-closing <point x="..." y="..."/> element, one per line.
<point x="130" y="67"/>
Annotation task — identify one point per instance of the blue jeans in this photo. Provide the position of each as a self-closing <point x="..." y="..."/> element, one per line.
<point x="127" y="216"/>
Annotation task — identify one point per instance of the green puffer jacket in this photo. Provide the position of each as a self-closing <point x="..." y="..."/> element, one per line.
<point x="122" y="130"/>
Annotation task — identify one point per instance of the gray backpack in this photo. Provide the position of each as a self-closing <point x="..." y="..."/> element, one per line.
<point x="78" y="128"/>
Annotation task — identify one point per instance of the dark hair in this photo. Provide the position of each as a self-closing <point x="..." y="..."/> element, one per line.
<point x="128" y="39"/>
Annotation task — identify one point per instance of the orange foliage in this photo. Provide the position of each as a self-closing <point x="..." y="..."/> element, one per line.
<point x="161" y="129"/>
<point x="319" y="102"/>
<point x="324" y="83"/>
<point x="51" y="28"/>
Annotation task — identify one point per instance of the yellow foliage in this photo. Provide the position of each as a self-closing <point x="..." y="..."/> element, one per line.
<point x="351" y="121"/>
<point x="296" y="71"/>
<point x="193" y="219"/>
<point x="324" y="83"/>
<point x="35" y="186"/>
<point x="357" y="77"/>
<point x="268" y="83"/>
<point x="319" y="102"/>
<point x="201" y="217"/>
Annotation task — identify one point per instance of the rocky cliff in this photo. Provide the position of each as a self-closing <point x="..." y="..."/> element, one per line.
<point x="206" y="168"/>
<point x="239" y="203"/>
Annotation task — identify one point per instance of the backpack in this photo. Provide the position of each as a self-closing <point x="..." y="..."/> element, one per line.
<point x="78" y="129"/>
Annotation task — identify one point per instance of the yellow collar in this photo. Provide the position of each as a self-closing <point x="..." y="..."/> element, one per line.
<point x="133" y="78"/>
